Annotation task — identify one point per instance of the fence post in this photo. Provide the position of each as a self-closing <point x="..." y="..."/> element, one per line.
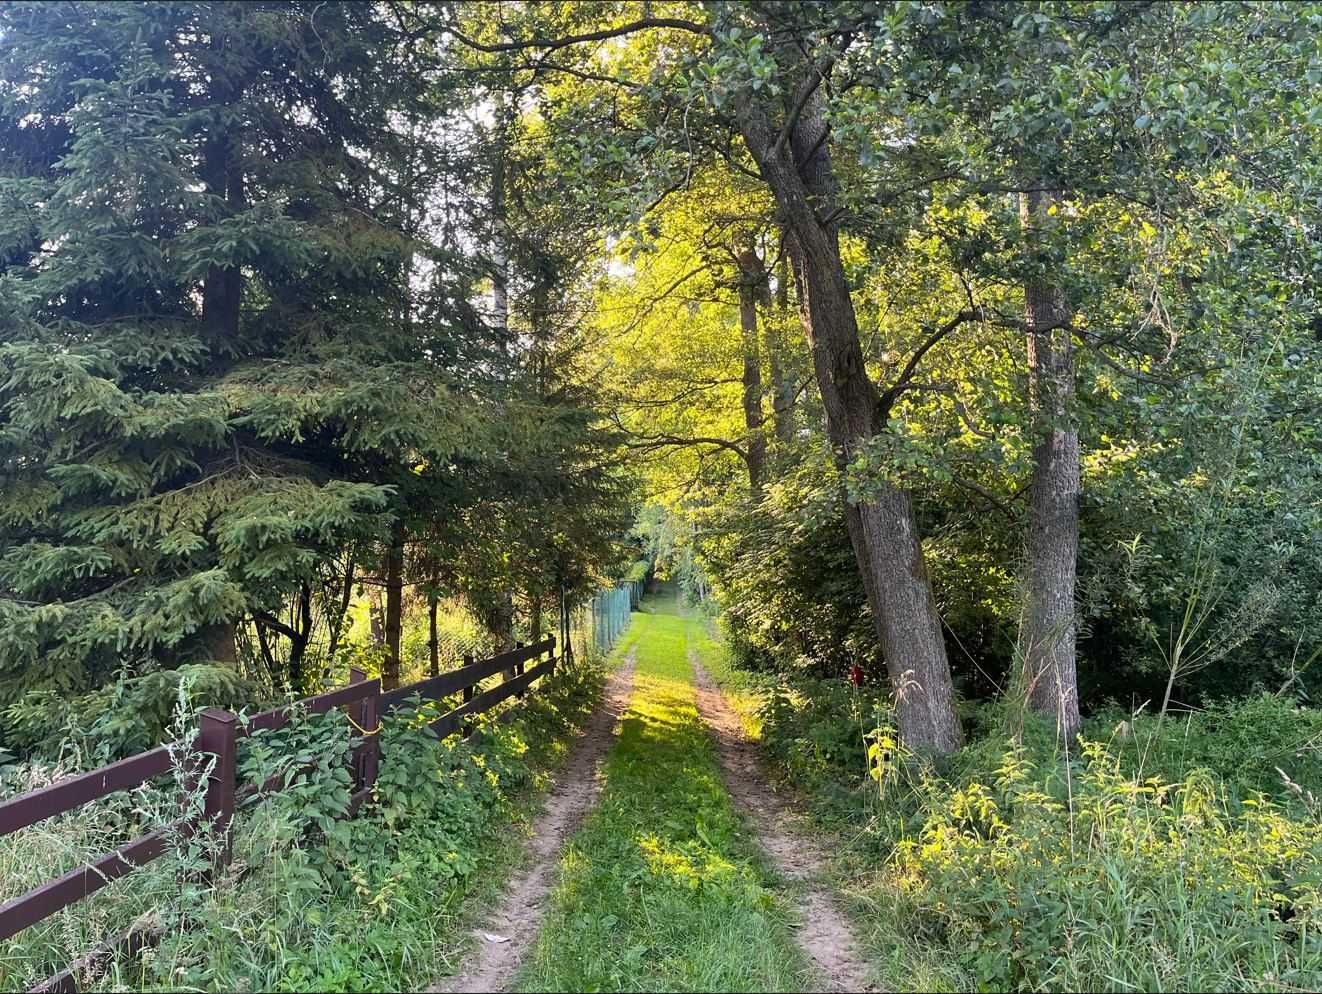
<point x="366" y="714"/>
<point x="468" y="696"/>
<point x="551" y="653"/>
<point x="218" y="735"/>
<point x="518" y="670"/>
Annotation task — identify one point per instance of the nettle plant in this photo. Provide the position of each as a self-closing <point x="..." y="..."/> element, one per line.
<point x="315" y="899"/>
<point x="302" y="773"/>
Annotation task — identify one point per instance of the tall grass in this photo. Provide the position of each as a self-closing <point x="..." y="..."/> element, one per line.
<point x="309" y="902"/>
<point x="1155" y="855"/>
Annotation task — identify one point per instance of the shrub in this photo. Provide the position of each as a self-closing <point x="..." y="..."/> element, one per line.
<point x="1255" y="745"/>
<point x="127" y="716"/>
<point x="1123" y="882"/>
<point x="1156" y="855"/>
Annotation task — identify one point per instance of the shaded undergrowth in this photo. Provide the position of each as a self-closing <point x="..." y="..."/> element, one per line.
<point x="311" y="901"/>
<point x="1183" y="853"/>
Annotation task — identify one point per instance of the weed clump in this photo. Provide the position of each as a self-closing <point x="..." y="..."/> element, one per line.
<point x="1180" y="853"/>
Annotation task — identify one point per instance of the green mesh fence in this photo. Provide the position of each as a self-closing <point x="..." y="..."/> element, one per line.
<point x="595" y="625"/>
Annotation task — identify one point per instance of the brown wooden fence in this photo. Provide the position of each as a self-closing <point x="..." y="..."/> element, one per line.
<point x="218" y="736"/>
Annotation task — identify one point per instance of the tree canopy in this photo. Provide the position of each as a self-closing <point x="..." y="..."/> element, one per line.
<point x="972" y="345"/>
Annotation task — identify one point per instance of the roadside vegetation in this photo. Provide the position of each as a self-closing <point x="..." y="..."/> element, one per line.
<point x="1175" y="854"/>
<point x="309" y="903"/>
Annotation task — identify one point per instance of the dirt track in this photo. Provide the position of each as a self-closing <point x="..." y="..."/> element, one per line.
<point x="826" y="936"/>
<point x="505" y="937"/>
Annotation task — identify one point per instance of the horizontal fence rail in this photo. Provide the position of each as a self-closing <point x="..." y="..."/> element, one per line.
<point x="44" y="901"/>
<point x="468" y="675"/>
<point x="219" y="735"/>
<point x="67" y="794"/>
<point x="279" y="717"/>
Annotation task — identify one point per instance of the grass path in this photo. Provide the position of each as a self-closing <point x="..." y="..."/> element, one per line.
<point x="662" y="888"/>
<point x="505" y="934"/>
<point x="825" y="935"/>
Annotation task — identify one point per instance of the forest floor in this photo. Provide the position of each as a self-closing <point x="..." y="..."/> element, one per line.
<point x="687" y="872"/>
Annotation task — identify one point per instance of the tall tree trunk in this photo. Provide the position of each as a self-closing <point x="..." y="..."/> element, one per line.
<point x="219" y="642"/>
<point x="1047" y="637"/>
<point x="222" y="289"/>
<point x="884" y="534"/>
<point x="433" y="641"/>
<point x="222" y="176"/>
<point x="752" y="286"/>
<point x="503" y="628"/>
<point x="376" y="614"/>
<point x="341" y="612"/>
<point x="268" y="656"/>
<point x="566" y="627"/>
<point x="535" y="622"/>
<point x="298" y="643"/>
<point x="782" y="403"/>
<point x="394" y="606"/>
<point x="499" y="251"/>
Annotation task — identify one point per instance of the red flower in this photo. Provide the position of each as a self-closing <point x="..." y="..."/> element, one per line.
<point x="856" y="675"/>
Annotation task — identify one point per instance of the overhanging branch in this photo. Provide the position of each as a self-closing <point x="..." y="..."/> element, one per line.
<point x="605" y="34"/>
<point x="901" y="383"/>
<point x="684" y="441"/>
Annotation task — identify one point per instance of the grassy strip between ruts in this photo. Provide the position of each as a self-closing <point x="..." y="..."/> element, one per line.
<point x="660" y="890"/>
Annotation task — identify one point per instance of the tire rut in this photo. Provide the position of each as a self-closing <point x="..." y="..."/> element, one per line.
<point x="826" y="936"/>
<point x="509" y="931"/>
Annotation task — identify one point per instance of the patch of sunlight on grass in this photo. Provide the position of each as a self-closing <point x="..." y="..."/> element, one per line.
<point x="689" y="869"/>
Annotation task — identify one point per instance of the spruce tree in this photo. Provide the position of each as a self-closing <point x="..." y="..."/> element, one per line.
<point x="210" y="381"/>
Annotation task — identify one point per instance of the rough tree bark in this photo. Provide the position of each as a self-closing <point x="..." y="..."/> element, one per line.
<point x="752" y="287"/>
<point x="882" y="530"/>
<point x="1047" y="635"/>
